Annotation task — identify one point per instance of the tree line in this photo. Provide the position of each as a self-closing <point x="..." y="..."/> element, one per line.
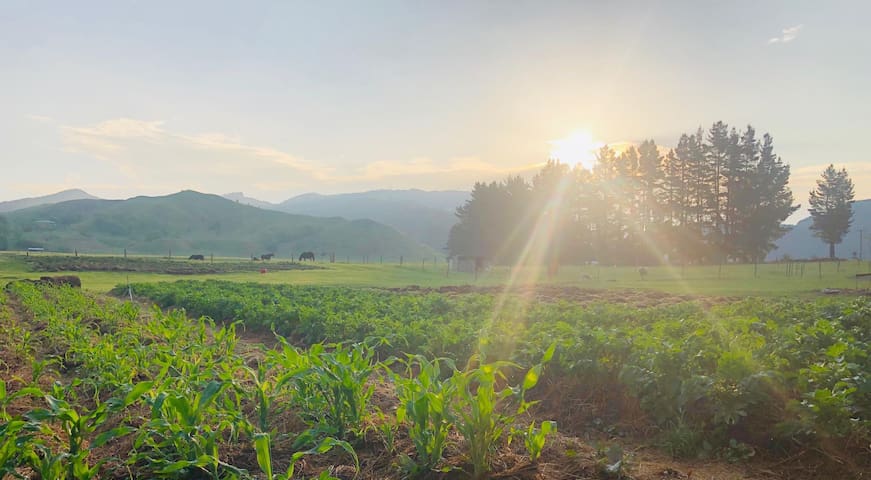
<point x="721" y="194"/>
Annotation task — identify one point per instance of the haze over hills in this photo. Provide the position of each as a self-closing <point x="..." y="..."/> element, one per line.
<point x="800" y="242"/>
<point x="84" y="222"/>
<point x="66" y="195"/>
<point x="426" y="216"/>
<point x="240" y="197"/>
<point x="191" y="222"/>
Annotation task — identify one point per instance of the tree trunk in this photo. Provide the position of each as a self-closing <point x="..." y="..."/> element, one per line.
<point x="832" y="251"/>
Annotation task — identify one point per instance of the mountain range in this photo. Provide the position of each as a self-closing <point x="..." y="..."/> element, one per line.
<point x="74" y="194"/>
<point x="190" y="222"/>
<point x="424" y="216"/>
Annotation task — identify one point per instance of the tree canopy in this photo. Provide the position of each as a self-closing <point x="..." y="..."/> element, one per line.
<point x="718" y="195"/>
<point x="831" y="207"/>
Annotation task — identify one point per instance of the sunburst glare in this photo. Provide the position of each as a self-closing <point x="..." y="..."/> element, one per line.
<point x="579" y="148"/>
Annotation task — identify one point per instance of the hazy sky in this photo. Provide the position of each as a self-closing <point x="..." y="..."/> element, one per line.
<point x="275" y="99"/>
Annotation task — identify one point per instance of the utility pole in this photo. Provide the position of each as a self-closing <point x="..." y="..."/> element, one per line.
<point x="860" y="244"/>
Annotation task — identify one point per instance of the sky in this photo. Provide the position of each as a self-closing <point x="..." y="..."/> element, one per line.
<point x="281" y="98"/>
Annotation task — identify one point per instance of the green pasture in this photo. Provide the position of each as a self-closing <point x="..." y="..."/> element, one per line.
<point x="765" y="279"/>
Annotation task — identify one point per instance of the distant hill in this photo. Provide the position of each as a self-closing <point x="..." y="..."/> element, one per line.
<point x="191" y="222"/>
<point x="66" y="195"/>
<point x="240" y="197"/>
<point x="424" y="216"/>
<point x="801" y="243"/>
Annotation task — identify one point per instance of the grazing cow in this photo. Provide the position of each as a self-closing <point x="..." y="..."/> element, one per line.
<point x="70" y="280"/>
<point x="196" y="257"/>
<point x="267" y="256"/>
<point x="643" y="272"/>
<point x="307" y="256"/>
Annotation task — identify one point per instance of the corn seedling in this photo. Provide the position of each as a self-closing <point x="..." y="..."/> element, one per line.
<point x="262" y="446"/>
<point x="424" y="399"/>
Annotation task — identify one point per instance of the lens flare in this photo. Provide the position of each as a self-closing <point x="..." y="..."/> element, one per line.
<point x="579" y="148"/>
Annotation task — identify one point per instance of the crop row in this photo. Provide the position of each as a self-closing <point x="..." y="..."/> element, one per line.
<point x="102" y="389"/>
<point x="178" y="266"/>
<point x="780" y="374"/>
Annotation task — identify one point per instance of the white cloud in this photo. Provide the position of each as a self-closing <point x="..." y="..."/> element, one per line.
<point x="427" y="166"/>
<point x="140" y="152"/>
<point x="787" y="35"/>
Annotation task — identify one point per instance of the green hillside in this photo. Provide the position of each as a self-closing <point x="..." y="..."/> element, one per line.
<point x="64" y="196"/>
<point x="192" y="222"/>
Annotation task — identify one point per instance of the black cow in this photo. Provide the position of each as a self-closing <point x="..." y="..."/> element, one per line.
<point x="196" y="257"/>
<point x="70" y="280"/>
<point x="307" y="256"/>
<point x="267" y="256"/>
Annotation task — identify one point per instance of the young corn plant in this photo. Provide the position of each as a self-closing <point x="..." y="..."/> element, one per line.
<point x="16" y="434"/>
<point x="337" y="379"/>
<point x="181" y="437"/>
<point x="79" y="426"/>
<point x="479" y="407"/>
<point x="424" y="400"/>
<point x="264" y="393"/>
<point x="534" y="438"/>
<point x="477" y="412"/>
<point x="262" y="446"/>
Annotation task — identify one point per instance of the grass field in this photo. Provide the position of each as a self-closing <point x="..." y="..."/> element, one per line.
<point x="738" y="280"/>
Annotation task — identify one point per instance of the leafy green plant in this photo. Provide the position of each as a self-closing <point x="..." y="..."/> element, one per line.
<point x="424" y="402"/>
<point x="534" y="438"/>
<point x="333" y="390"/>
<point x="79" y="426"/>
<point x="262" y="447"/>
<point x="181" y="435"/>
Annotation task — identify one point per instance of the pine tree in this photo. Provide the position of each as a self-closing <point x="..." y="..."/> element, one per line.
<point x="717" y="152"/>
<point x="518" y="215"/>
<point x="699" y="176"/>
<point x="482" y="223"/>
<point x="831" y="206"/>
<point x="649" y="180"/>
<point x="739" y="194"/>
<point x="582" y="205"/>
<point x="767" y="200"/>
<point x="552" y="190"/>
<point x="605" y="209"/>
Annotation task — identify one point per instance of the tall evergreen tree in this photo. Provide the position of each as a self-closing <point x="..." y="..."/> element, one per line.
<point x="719" y="194"/>
<point x="717" y="153"/>
<point x="831" y="207"/>
<point x="482" y="223"/>
<point x="552" y="190"/>
<point x="519" y="217"/>
<point x="672" y="195"/>
<point x="767" y="199"/>
<point x="699" y="176"/>
<point x="606" y="207"/>
<point x="583" y="205"/>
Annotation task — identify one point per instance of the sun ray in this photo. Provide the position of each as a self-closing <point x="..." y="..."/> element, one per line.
<point x="579" y="148"/>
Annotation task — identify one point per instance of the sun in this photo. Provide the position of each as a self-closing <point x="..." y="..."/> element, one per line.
<point x="579" y="148"/>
